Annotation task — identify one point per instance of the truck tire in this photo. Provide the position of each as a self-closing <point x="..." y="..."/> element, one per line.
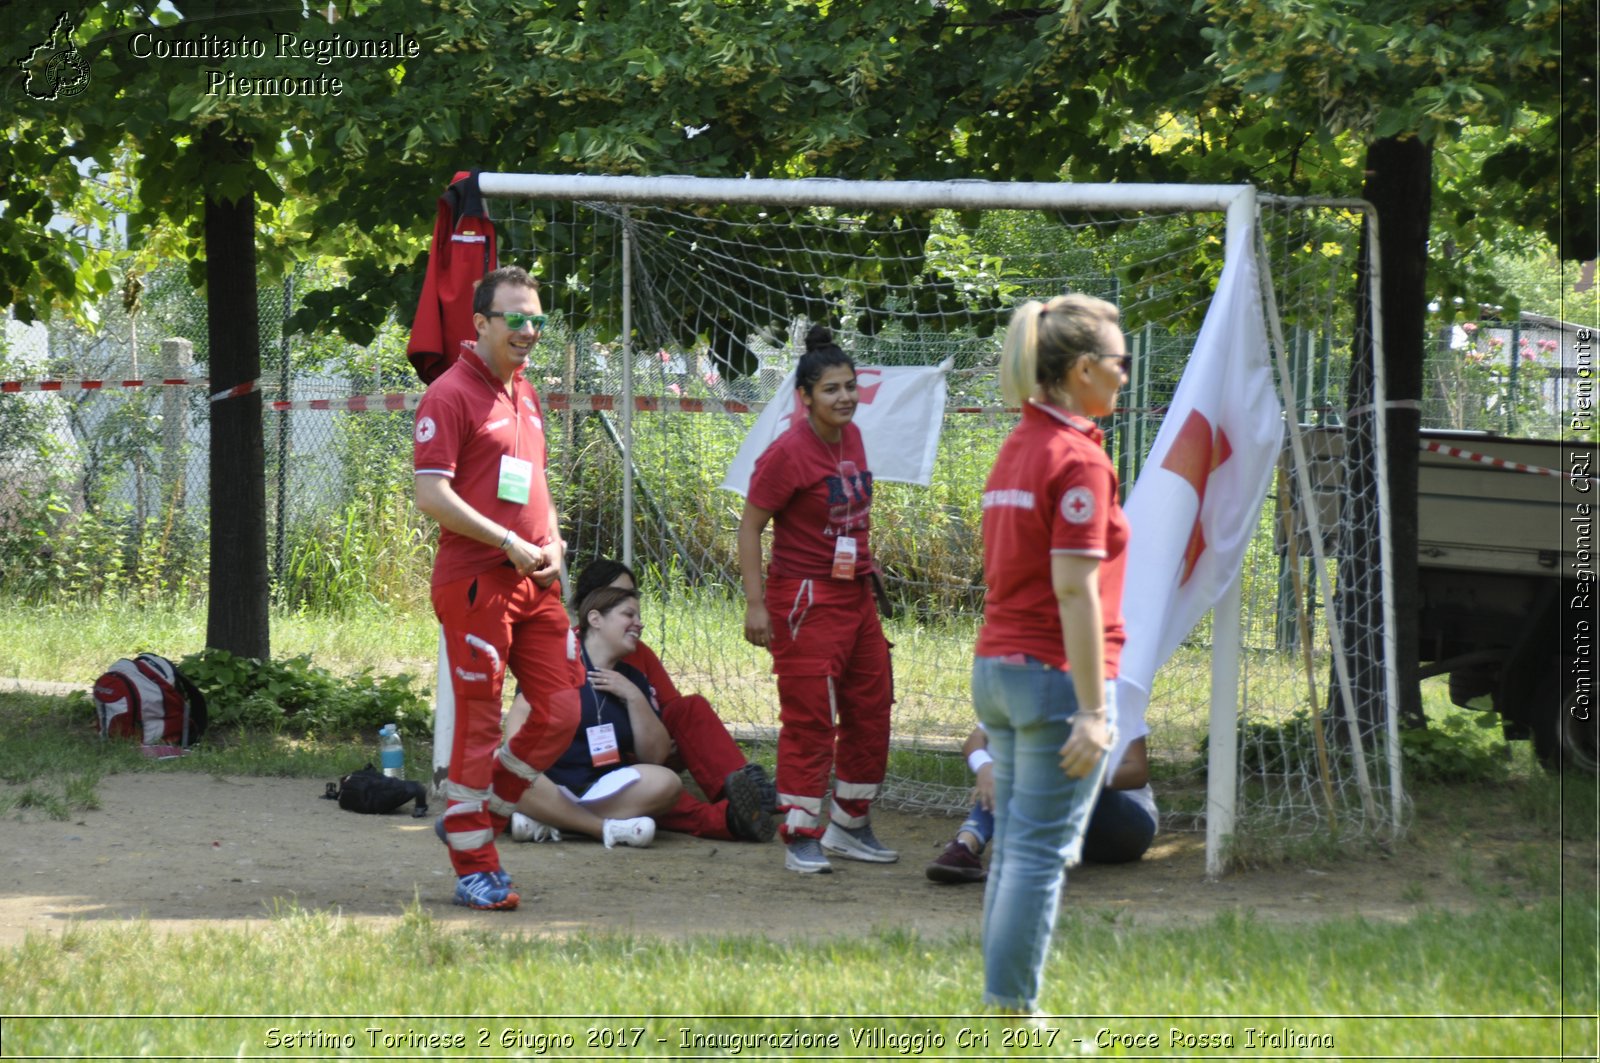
<point x="1561" y="739"/>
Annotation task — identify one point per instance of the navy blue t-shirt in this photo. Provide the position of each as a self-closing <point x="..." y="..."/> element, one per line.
<point x="574" y="769"/>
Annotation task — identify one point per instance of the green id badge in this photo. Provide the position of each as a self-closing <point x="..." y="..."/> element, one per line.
<point x="516" y="476"/>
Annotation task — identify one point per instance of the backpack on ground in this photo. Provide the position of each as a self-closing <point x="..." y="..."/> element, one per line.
<point x="369" y="791"/>
<point x="147" y="699"/>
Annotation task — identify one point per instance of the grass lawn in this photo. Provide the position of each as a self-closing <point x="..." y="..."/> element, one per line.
<point x="1509" y="977"/>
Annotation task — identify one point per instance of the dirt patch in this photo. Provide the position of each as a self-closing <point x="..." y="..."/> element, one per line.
<point x="190" y="851"/>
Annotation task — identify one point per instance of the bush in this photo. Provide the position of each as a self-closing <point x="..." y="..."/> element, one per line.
<point x="1460" y="747"/>
<point x="297" y="696"/>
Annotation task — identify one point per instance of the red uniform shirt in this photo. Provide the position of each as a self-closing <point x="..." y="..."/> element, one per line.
<point x="646" y="661"/>
<point x="1052" y="491"/>
<point x="466" y="423"/>
<point x="816" y="492"/>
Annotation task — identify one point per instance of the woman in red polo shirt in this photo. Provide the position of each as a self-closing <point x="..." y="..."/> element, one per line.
<point x="1054" y="539"/>
<point x="818" y="615"/>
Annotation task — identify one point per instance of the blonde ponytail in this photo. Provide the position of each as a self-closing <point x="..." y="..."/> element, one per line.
<point x="1044" y="340"/>
<point x="1019" y="356"/>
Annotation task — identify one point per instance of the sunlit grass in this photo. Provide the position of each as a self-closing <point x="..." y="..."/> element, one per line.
<point x="1223" y="978"/>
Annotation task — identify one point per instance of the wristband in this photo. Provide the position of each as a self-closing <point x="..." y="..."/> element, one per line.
<point x="978" y="758"/>
<point x="505" y="543"/>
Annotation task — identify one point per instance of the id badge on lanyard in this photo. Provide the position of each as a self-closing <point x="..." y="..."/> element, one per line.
<point x="844" y="557"/>
<point x="516" y="474"/>
<point x="603" y="749"/>
<point x="516" y="479"/>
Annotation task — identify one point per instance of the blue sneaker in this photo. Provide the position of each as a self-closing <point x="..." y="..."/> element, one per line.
<point x="486" y="891"/>
<point x="502" y="878"/>
<point x="857" y="843"/>
<point x="802" y="853"/>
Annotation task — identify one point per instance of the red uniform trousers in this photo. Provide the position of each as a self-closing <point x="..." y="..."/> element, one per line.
<point x="708" y="752"/>
<point x="835" y="686"/>
<point x="494" y="621"/>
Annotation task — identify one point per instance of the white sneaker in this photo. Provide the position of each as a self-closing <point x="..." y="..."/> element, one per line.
<point x="637" y="832"/>
<point x="528" y="829"/>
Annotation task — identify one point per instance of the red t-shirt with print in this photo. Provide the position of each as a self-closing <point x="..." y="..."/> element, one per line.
<point x="465" y="424"/>
<point x="1052" y="491"/>
<point x="816" y="491"/>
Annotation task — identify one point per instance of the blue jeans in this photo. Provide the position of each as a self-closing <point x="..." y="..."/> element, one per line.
<point x="1039" y="821"/>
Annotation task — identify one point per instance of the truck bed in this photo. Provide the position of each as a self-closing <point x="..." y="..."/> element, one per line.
<point x="1473" y="517"/>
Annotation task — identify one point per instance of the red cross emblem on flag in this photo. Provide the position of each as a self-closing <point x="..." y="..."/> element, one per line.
<point x="1195" y="454"/>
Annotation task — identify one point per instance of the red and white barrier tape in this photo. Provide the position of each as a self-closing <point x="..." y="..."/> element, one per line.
<point x="557" y="401"/>
<point x="394" y="400"/>
<point x="10" y="387"/>
<point x="234" y="392"/>
<point x="1493" y="462"/>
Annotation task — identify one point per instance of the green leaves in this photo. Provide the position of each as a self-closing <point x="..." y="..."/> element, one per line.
<point x="296" y="695"/>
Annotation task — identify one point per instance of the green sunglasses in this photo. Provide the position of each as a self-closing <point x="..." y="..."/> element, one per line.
<point x="515" y="321"/>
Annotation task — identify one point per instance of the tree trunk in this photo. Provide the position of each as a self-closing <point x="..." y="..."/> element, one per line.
<point x="1399" y="184"/>
<point x="236" y="619"/>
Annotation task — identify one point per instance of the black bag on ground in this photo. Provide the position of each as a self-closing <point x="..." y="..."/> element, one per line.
<point x="372" y="792"/>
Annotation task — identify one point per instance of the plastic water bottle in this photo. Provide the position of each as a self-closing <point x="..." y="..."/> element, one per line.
<point x="391" y="754"/>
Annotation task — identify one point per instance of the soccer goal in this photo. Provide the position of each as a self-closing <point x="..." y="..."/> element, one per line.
<point x="677" y="306"/>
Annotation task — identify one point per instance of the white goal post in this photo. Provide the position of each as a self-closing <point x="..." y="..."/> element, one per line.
<point x="612" y="252"/>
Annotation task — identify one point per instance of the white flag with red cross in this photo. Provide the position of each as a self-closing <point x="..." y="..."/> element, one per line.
<point x="900" y="413"/>
<point x="1198" y="498"/>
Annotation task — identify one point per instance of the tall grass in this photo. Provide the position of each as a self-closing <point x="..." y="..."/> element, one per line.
<point x="374" y="552"/>
<point x="74" y="642"/>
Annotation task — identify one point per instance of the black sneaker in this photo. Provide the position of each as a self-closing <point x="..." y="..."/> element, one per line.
<point x="747" y="819"/>
<point x="763" y="781"/>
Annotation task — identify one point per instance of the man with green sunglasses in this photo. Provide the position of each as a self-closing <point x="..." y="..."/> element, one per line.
<point x="480" y="465"/>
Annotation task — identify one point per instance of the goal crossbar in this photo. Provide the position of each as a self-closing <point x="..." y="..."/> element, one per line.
<point x="834" y="192"/>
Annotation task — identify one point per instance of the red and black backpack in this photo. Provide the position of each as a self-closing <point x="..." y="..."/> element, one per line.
<point x="146" y="698"/>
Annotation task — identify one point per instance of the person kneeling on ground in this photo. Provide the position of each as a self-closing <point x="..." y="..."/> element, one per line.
<point x="610" y="781"/>
<point x="740" y="799"/>
<point x="1121" y="827"/>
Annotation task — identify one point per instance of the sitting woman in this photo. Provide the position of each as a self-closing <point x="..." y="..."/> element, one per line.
<point x="1121" y="827"/>
<point x="740" y="800"/>
<point x="610" y="781"/>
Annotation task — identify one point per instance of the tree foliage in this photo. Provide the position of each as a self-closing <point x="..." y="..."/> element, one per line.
<point x="1282" y="93"/>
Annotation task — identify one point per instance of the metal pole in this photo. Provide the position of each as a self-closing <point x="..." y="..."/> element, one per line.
<point x="1511" y="399"/>
<point x="1391" y="650"/>
<point x="822" y="191"/>
<point x="283" y="429"/>
<point x="627" y="390"/>
<point x="1222" y="769"/>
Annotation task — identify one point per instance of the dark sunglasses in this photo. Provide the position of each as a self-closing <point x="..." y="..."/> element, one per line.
<point x="1124" y="361"/>
<point x="514" y="321"/>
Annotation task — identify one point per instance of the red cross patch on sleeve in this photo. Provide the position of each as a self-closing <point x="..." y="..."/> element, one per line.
<point x="1077" y="505"/>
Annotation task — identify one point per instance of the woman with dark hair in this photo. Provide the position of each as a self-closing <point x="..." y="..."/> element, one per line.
<point x="1043" y="679"/>
<point x="739" y="797"/>
<point x="817" y="615"/>
<point x="610" y="780"/>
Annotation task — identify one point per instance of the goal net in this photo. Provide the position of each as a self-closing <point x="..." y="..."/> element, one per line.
<point x="678" y="306"/>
